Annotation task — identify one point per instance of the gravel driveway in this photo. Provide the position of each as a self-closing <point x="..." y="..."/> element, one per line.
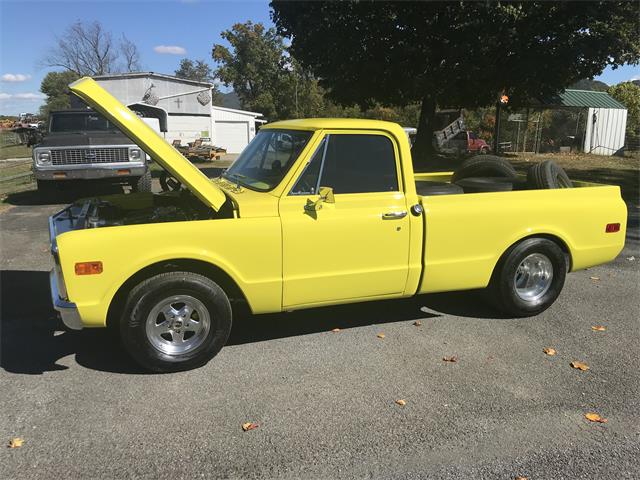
<point x="325" y="401"/>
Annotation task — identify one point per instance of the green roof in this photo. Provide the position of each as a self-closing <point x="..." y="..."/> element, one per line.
<point x="583" y="98"/>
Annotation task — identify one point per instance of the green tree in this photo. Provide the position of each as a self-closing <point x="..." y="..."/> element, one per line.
<point x="55" y="85"/>
<point x="628" y="94"/>
<point x="199" y="71"/>
<point x="461" y="54"/>
<point x="263" y="74"/>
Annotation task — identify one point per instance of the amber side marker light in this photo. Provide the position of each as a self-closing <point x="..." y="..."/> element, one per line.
<point x="612" y="228"/>
<point x="88" y="268"/>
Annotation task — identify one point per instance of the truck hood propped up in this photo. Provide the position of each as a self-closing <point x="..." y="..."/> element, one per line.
<point x="143" y="135"/>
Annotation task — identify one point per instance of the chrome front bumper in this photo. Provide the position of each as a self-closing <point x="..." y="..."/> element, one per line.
<point x="68" y="310"/>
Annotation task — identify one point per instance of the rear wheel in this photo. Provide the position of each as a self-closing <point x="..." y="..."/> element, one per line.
<point x="175" y="321"/>
<point x="529" y="277"/>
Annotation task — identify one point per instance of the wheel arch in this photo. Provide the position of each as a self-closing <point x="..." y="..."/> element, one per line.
<point x="236" y="296"/>
<point x="549" y="236"/>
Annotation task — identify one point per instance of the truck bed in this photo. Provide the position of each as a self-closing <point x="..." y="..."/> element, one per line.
<point x="460" y="249"/>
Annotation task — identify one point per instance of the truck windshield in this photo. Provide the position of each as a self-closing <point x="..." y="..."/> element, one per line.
<point x="80" y="121"/>
<point x="266" y="160"/>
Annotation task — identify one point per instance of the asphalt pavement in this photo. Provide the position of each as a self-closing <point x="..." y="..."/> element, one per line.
<point x="325" y="401"/>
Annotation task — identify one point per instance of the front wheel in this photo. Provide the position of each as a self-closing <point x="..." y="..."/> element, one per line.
<point x="175" y="321"/>
<point x="529" y="277"/>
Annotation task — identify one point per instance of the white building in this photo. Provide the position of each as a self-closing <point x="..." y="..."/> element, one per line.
<point x="605" y="119"/>
<point x="187" y="103"/>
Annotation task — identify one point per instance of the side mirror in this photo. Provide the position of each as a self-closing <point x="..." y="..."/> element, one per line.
<point x="326" y="196"/>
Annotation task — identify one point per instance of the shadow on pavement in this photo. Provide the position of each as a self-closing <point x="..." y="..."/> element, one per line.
<point x="33" y="339"/>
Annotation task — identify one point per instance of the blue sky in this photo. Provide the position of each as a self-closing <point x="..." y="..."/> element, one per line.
<point x="28" y="28"/>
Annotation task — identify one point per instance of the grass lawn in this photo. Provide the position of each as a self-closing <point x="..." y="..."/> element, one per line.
<point x="15" y="151"/>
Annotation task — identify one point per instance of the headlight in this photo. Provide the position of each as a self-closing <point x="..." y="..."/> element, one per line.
<point x="134" y="154"/>
<point x="43" y="158"/>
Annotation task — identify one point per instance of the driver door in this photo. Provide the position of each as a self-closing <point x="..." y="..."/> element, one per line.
<point x="356" y="244"/>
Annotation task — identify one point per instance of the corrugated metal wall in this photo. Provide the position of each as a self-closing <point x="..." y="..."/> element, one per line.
<point x="605" y="130"/>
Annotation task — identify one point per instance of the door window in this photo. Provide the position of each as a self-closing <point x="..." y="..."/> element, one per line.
<point x="351" y="163"/>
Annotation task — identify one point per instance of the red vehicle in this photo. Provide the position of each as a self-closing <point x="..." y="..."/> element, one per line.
<point x="466" y="142"/>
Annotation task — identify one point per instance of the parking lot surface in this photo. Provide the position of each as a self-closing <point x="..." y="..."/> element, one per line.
<point x="325" y="401"/>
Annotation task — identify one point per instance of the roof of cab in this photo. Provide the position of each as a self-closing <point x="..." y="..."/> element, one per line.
<point x="332" y="123"/>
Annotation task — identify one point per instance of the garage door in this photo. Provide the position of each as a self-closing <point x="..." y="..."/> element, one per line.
<point x="233" y="136"/>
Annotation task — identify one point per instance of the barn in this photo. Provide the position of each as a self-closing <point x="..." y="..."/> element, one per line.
<point x="605" y="119"/>
<point x="187" y="104"/>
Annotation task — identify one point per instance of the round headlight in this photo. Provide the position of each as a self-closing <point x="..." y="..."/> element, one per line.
<point x="134" y="154"/>
<point x="43" y="157"/>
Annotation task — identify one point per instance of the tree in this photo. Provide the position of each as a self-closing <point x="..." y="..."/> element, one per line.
<point x="55" y="85"/>
<point x="263" y="74"/>
<point x="459" y="54"/>
<point x="89" y="49"/>
<point x="199" y="71"/>
<point x="628" y="94"/>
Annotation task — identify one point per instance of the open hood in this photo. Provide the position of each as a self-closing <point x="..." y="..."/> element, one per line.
<point x="152" y="143"/>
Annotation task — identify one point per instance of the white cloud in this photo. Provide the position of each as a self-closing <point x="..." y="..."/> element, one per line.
<point x="15" y="77"/>
<point x="170" y="49"/>
<point x="22" y="96"/>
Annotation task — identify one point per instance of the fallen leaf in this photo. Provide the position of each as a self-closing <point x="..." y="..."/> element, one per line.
<point x="550" y="351"/>
<point x="580" y="365"/>
<point x="451" y="359"/>
<point x="594" y="417"/>
<point x="598" y="328"/>
<point x="401" y="402"/>
<point x="417" y="323"/>
<point x="335" y="330"/>
<point x="380" y="335"/>
<point x="595" y="279"/>
<point x="249" y="426"/>
<point x="15" y="442"/>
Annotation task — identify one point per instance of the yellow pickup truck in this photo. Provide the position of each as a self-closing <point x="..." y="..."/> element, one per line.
<point x="314" y="212"/>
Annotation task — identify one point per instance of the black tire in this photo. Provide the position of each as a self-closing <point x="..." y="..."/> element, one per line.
<point x="502" y="288"/>
<point x="484" y="166"/>
<point x="167" y="287"/>
<point x="437" y="188"/>
<point x="143" y="183"/>
<point x="486" y="184"/>
<point x="47" y="190"/>
<point x="548" y="174"/>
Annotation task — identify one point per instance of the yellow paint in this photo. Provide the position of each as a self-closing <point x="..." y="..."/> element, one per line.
<point x="283" y="257"/>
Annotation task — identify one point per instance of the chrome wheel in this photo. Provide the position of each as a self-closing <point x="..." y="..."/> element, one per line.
<point x="533" y="277"/>
<point x="178" y="324"/>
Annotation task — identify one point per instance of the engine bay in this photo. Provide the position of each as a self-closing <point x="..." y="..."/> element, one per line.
<point x="139" y="208"/>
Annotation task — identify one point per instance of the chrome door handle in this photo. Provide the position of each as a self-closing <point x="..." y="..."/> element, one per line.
<point x="394" y="215"/>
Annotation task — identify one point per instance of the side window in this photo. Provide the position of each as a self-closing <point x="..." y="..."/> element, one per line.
<point x="308" y="181"/>
<point x="359" y="163"/>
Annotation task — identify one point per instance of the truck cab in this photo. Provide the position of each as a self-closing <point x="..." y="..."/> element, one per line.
<point x="81" y="144"/>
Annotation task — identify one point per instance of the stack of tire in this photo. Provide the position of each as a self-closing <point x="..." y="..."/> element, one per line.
<point x="488" y="173"/>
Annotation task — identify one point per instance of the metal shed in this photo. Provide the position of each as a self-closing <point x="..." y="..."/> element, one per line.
<point x="606" y="119"/>
<point x="188" y="106"/>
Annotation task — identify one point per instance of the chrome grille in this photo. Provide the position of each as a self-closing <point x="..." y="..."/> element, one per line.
<point x="80" y="156"/>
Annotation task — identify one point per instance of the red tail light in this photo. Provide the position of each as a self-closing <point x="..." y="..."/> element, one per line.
<point x="612" y="228"/>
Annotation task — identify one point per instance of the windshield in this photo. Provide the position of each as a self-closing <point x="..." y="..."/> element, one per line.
<point x="80" y="121"/>
<point x="266" y="160"/>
